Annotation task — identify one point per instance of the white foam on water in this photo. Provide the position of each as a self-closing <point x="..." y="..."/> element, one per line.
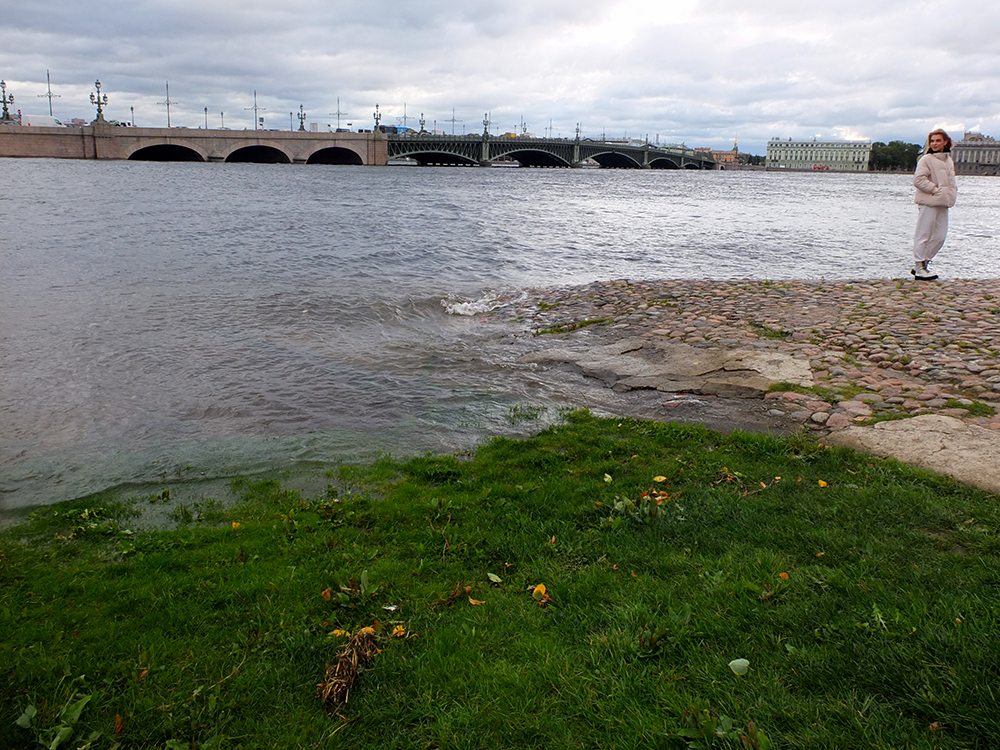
<point x="491" y="300"/>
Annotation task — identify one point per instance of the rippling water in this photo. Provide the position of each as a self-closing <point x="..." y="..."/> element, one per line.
<point x="165" y="320"/>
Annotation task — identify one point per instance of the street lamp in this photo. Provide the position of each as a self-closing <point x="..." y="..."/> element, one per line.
<point x="257" y="119"/>
<point x="302" y="118"/>
<point x="206" y="118"/>
<point x="168" y="103"/>
<point x="6" y="100"/>
<point x="377" y="117"/>
<point x="49" y="94"/>
<point x="101" y="103"/>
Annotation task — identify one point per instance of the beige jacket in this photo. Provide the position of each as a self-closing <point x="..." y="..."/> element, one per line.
<point x="935" y="181"/>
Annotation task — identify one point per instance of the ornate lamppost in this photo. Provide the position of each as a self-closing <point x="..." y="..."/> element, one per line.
<point x="378" y="116"/>
<point x="101" y="103"/>
<point x="302" y="118"/>
<point x="8" y="99"/>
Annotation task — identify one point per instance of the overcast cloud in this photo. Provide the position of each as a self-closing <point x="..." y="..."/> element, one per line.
<point x="701" y="73"/>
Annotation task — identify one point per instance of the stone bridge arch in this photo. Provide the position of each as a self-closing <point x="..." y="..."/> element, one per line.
<point x="257" y="153"/>
<point x="167" y="152"/>
<point x="335" y="155"/>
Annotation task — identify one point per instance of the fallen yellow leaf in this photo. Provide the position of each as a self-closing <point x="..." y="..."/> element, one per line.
<point x="539" y="591"/>
<point x="659" y="479"/>
<point x="327" y="593"/>
<point x="822" y="483"/>
<point x="399" y="631"/>
<point x="476" y="602"/>
<point x="783" y="575"/>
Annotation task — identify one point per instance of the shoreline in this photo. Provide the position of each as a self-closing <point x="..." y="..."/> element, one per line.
<point x="890" y="347"/>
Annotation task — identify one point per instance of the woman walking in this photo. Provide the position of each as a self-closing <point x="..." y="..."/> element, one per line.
<point x="936" y="193"/>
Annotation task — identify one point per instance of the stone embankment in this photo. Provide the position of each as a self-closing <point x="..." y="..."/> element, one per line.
<point x="874" y="348"/>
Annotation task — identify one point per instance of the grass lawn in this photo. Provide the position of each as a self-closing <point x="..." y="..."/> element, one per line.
<point x="697" y="587"/>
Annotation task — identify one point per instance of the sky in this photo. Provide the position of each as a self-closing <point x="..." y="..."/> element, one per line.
<point x="698" y="72"/>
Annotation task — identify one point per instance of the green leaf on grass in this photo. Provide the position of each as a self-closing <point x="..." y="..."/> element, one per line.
<point x="71" y="713"/>
<point x="739" y="666"/>
<point x="25" y="721"/>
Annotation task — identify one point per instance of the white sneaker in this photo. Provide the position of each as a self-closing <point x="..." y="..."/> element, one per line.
<point x="921" y="272"/>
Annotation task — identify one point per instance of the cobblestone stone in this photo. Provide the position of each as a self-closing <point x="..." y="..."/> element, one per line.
<point x="911" y="346"/>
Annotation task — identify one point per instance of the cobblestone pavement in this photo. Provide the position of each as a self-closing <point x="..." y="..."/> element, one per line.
<point x="876" y="347"/>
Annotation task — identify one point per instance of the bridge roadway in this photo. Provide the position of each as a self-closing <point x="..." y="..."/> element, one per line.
<point x="103" y="141"/>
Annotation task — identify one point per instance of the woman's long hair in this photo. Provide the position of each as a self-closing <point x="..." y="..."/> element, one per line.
<point x="947" y="141"/>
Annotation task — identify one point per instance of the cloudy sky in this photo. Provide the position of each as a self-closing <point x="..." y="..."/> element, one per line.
<point x="699" y="72"/>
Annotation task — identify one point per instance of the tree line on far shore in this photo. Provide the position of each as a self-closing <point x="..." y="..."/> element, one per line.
<point x="896" y="156"/>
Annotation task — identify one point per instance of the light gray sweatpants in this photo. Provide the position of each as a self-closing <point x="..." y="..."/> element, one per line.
<point x="932" y="228"/>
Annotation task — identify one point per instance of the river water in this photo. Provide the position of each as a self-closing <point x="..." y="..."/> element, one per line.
<point x="188" y="321"/>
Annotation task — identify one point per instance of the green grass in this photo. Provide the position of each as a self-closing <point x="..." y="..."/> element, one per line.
<point x="574" y="326"/>
<point x="863" y="593"/>
<point x="975" y="409"/>
<point x="768" y="332"/>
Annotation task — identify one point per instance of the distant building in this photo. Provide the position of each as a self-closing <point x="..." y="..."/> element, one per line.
<point x="723" y="157"/>
<point x="976" y="154"/>
<point x="821" y="156"/>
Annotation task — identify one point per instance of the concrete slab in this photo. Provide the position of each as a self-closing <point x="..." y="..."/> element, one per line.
<point x="943" y="444"/>
<point x="641" y="363"/>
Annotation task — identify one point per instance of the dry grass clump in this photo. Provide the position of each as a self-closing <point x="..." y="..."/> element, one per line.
<point x="352" y="660"/>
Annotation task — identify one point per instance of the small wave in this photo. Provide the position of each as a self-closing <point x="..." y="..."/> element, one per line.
<point x="491" y="300"/>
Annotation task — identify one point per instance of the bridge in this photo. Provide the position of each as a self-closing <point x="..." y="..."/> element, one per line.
<point x="528" y="151"/>
<point x="104" y="141"/>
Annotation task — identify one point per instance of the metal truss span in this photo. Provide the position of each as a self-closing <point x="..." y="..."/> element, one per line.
<point x="483" y="150"/>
